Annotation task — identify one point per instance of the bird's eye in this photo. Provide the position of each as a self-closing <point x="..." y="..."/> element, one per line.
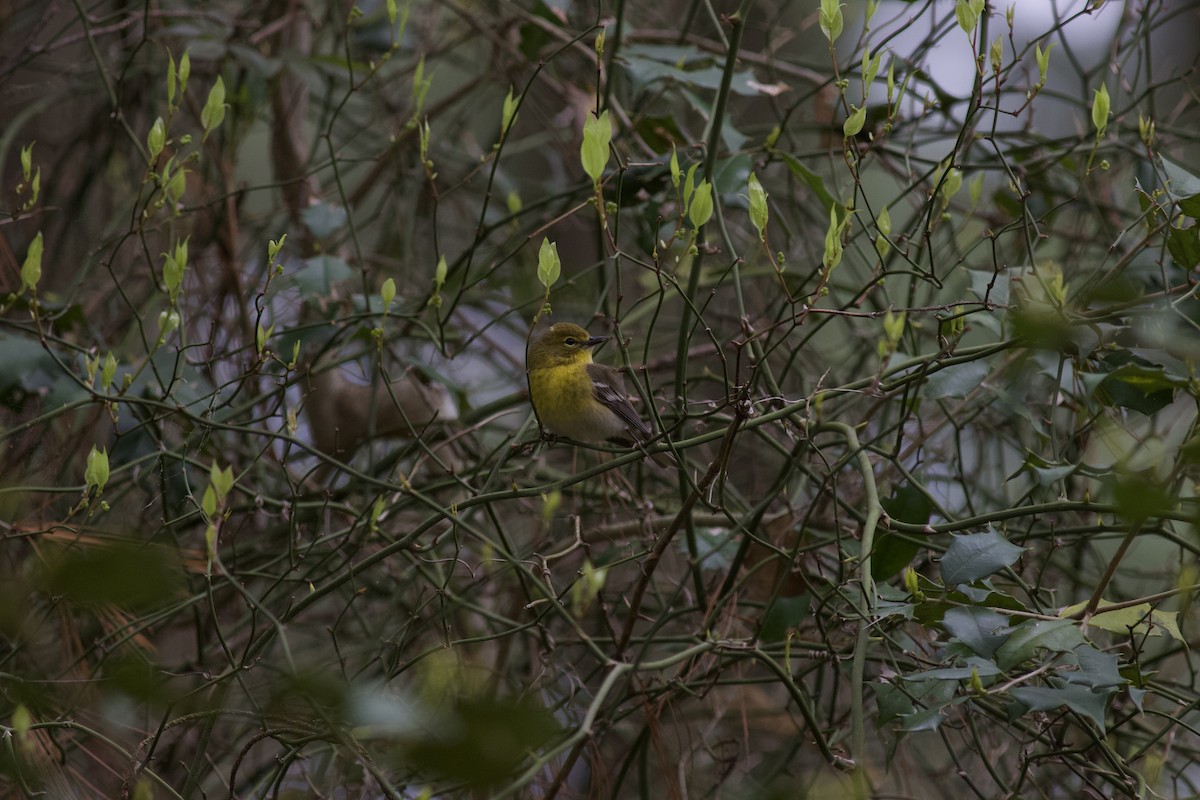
<point x="570" y="341"/>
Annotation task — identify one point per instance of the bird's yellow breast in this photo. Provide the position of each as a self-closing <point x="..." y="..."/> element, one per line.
<point x="566" y="404"/>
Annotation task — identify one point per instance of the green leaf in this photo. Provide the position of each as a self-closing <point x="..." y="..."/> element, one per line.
<point x="423" y="132"/>
<point x="990" y="286"/>
<point x="980" y="629"/>
<point x="893" y="326"/>
<point x="976" y="189"/>
<point x="597" y="134"/>
<point x="213" y="112"/>
<point x="27" y="160"/>
<point x="96" y="472"/>
<point x="984" y="592"/>
<point x="689" y="186"/>
<point x="1046" y="472"/>
<point x="892" y="554"/>
<point x="387" y="292"/>
<point x="1135" y="383"/>
<point x="1139" y="620"/>
<point x="928" y="720"/>
<point x="758" y="206"/>
<point x="975" y="556"/>
<point x="956" y="380"/>
<point x="854" y="123"/>
<point x="1097" y="670"/>
<point x="891" y="702"/>
<point x="811" y="179"/>
<point x="730" y="175"/>
<point x="174" y="266"/>
<point x="1044" y="327"/>
<point x="185" y="71"/>
<point x="918" y="704"/>
<point x="683" y="66"/>
<point x="785" y="614"/>
<point x="156" y="139"/>
<point x="35" y="189"/>
<point x="830" y="19"/>
<point x="208" y="502"/>
<point x="222" y="480"/>
<point x="1184" y="245"/>
<point x="908" y="504"/>
<point x="439" y="273"/>
<point x="1183" y="186"/>
<point x="977" y="667"/>
<point x="675" y="173"/>
<point x="1101" y="106"/>
<point x="883" y="223"/>
<point x="967" y="15"/>
<point x="181" y="251"/>
<point x="870" y="68"/>
<point x="586" y="589"/>
<point x="31" y="269"/>
<point x="549" y="266"/>
<point x="893" y="329"/>
<point x="1031" y="636"/>
<point x="1139" y="496"/>
<point x="91" y="364"/>
<point x="1043" y="61"/>
<point x="107" y="371"/>
<point x="172" y="276"/>
<point x="261" y="336"/>
<point x="273" y="247"/>
<point x="324" y="219"/>
<point x="22" y="721"/>
<point x="1080" y="699"/>
<point x="508" y="115"/>
<point x="951" y="185"/>
<point x="175" y="186"/>
<point x="27" y="365"/>
<point x="420" y="87"/>
<point x="316" y="276"/>
<point x="700" y="210"/>
<point x="833" y="241"/>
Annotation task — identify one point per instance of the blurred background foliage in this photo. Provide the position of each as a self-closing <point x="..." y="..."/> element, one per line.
<point x="277" y="517"/>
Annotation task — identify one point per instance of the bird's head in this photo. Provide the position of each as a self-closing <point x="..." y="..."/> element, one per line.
<point x="563" y="343"/>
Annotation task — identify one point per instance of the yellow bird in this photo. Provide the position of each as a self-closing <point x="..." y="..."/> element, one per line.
<point x="576" y="397"/>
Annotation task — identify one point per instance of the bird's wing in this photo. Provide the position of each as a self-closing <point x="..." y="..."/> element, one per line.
<point x="608" y="387"/>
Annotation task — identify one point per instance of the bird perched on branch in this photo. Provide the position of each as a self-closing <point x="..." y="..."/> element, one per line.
<point x="576" y="397"/>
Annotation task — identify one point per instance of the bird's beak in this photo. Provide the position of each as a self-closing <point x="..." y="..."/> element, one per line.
<point x="596" y="341"/>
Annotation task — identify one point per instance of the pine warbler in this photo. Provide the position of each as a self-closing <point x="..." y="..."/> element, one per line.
<point x="577" y="398"/>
